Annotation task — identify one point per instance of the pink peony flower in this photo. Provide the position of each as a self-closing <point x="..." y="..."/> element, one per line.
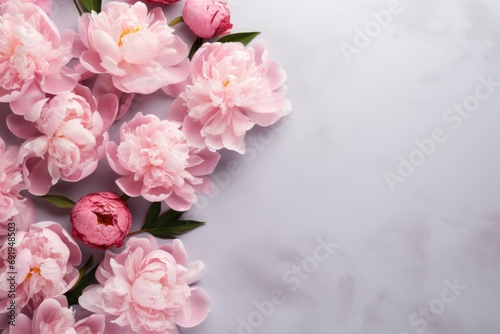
<point x="54" y="316"/>
<point x="65" y="136"/>
<point x="156" y="162"/>
<point x="101" y="220"/>
<point x="232" y="89"/>
<point x="45" y="260"/>
<point x="11" y="184"/>
<point x="137" y="48"/>
<point x="34" y="53"/>
<point x="145" y="289"/>
<point x="207" y="18"/>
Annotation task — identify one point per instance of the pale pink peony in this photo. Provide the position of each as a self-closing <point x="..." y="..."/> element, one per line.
<point x="11" y="184"/>
<point x="207" y="18"/>
<point x="65" y="136"/>
<point x="45" y="260"/>
<point x="101" y="220"/>
<point x="138" y="49"/>
<point x="232" y="89"/>
<point x="53" y="316"/>
<point x="145" y="289"/>
<point x="156" y="162"/>
<point x="33" y="53"/>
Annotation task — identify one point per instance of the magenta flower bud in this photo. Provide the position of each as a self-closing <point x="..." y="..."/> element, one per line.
<point x="101" y="220"/>
<point x="207" y="18"/>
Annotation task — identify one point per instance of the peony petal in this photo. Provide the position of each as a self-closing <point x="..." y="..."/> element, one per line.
<point x="23" y="325"/>
<point x="192" y="130"/>
<point x="199" y="303"/>
<point x="179" y="252"/>
<point x="178" y="203"/>
<point x="233" y="142"/>
<point x="59" y="83"/>
<point x="196" y="270"/>
<point x="176" y="89"/>
<point x="129" y="186"/>
<point x="210" y="160"/>
<point x="39" y="176"/>
<point x="105" y="45"/>
<point x="92" y="61"/>
<point x="32" y="95"/>
<point x="112" y="158"/>
<point x="95" y="323"/>
<point x="107" y="107"/>
<point x="177" y="110"/>
<point x="157" y="194"/>
<point x="140" y="47"/>
<point x="91" y="298"/>
<point x="21" y="127"/>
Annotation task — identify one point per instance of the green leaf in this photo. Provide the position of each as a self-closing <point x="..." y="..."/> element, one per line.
<point x="166" y="218"/>
<point x="174" y="229"/>
<point x="83" y="282"/>
<point x="82" y="271"/>
<point x="167" y="225"/>
<point x="59" y="201"/>
<point x="92" y="5"/>
<point x="78" y="8"/>
<point x="242" y="37"/>
<point x="196" y="45"/>
<point x="153" y="213"/>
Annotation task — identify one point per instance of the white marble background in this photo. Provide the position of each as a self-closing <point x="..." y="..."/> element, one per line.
<point x="423" y="258"/>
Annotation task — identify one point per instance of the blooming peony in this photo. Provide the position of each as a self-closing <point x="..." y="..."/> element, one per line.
<point x="54" y="316"/>
<point x="207" y="18"/>
<point x="65" y="137"/>
<point x="101" y="220"/>
<point x="156" y="162"/>
<point x="45" y="261"/>
<point x="137" y="48"/>
<point x="33" y="53"/>
<point x="11" y="183"/>
<point x="145" y="289"/>
<point x="232" y="89"/>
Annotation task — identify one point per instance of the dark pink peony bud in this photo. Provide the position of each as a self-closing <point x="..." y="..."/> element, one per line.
<point x="101" y="220"/>
<point x="207" y="18"/>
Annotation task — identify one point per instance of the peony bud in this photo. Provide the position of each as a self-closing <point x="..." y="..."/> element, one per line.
<point x="101" y="220"/>
<point x="207" y="18"/>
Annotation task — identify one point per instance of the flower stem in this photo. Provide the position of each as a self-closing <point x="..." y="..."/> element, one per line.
<point x="78" y="8"/>
<point x="124" y="197"/>
<point x="135" y="232"/>
<point x="175" y="21"/>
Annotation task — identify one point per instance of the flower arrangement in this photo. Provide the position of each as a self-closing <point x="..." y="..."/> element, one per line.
<point x="66" y="90"/>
